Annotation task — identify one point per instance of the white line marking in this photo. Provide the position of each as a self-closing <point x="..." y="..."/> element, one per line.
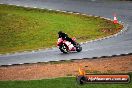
<point x="110" y="55"/>
<point x="17" y="5"/>
<point x="76" y="13"/>
<point x="25" y="6"/>
<point x="84" y="14"/>
<point x="9" y="64"/>
<point x="57" y="10"/>
<point x="118" y="54"/>
<point x="50" y="9"/>
<point x="21" y="63"/>
<point x="34" y="7"/>
<point x="10" y="4"/>
<point x="70" y="12"/>
<point x="64" y="11"/>
<point x="41" y="8"/>
<point x="96" y="16"/>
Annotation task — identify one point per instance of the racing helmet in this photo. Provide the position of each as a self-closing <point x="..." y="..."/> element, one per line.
<point x="60" y="32"/>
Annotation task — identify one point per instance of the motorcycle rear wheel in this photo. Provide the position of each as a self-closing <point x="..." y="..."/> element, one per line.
<point x="63" y="48"/>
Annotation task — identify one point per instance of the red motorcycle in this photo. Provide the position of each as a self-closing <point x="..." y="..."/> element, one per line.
<point x="66" y="46"/>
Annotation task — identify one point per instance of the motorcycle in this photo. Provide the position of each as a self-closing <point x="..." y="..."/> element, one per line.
<point x="66" y="46"/>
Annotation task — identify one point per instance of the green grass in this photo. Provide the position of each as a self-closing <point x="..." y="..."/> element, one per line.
<point x="65" y="82"/>
<point x="27" y="29"/>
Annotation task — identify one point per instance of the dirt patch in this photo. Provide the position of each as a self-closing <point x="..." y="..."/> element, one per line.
<point x="50" y="70"/>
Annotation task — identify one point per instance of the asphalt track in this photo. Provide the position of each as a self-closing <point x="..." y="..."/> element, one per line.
<point x="120" y="44"/>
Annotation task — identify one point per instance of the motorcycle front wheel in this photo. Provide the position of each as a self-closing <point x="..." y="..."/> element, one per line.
<point x="78" y="47"/>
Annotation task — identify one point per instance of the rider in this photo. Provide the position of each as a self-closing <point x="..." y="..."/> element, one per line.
<point x="64" y="36"/>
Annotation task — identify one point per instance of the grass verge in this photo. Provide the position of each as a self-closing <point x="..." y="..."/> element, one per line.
<point x="65" y="82"/>
<point x="27" y="29"/>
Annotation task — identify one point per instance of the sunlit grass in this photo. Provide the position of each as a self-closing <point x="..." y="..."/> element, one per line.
<point x="65" y="82"/>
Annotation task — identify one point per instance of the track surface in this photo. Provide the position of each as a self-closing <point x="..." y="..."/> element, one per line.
<point x="121" y="44"/>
